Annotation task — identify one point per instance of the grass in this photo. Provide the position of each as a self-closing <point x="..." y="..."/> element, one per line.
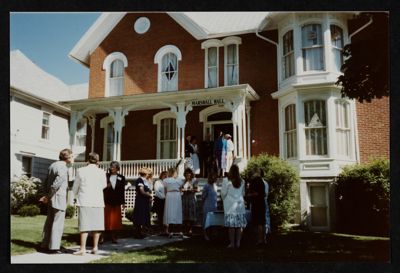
<point x="292" y="246"/>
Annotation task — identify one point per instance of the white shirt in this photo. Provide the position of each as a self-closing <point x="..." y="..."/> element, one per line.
<point x="159" y="189"/>
<point x="88" y="186"/>
<point x="230" y="146"/>
<point x="113" y="180"/>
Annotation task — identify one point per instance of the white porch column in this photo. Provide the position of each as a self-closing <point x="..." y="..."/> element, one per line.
<point x="244" y="129"/>
<point x="181" y="111"/>
<point x="118" y="125"/>
<point x="72" y="129"/>
<point x="248" y="108"/>
<point x="92" y="124"/>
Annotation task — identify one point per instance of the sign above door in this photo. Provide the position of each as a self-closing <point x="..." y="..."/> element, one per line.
<point x="207" y="102"/>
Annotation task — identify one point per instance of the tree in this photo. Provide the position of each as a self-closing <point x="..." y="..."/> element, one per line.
<point x="366" y="66"/>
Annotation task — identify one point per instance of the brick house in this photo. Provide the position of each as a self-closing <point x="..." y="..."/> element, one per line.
<point x="268" y="79"/>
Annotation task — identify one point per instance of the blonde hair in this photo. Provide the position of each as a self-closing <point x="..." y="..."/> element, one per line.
<point x="143" y="171"/>
<point x="171" y="172"/>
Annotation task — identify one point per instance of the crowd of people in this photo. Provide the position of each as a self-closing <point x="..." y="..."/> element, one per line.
<point x="99" y="196"/>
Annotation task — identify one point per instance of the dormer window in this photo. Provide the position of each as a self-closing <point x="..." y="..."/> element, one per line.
<point x="288" y="55"/>
<point x="313" y="47"/>
<point x="114" y="65"/>
<point x="337" y="46"/>
<point x="167" y="59"/>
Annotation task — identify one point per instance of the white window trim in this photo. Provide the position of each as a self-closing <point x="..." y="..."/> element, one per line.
<point x="284" y="131"/>
<point x="157" y="121"/>
<point x="229" y="41"/>
<point x="349" y="129"/>
<point x="158" y="60"/>
<point x="48" y="126"/>
<point x="286" y="31"/>
<point x="107" y="67"/>
<point x="206" y="45"/>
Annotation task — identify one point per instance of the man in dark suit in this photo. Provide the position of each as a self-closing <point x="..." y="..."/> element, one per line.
<point x="55" y="188"/>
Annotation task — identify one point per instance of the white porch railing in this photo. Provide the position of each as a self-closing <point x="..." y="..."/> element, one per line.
<point x="130" y="168"/>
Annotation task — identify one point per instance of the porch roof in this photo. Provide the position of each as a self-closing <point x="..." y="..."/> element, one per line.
<point x="164" y="99"/>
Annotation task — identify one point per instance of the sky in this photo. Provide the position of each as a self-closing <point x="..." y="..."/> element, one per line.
<point x="46" y="38"/>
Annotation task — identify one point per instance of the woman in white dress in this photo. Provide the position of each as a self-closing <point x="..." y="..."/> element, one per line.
<point x="194" y="151"/>
<point x="173" y="200"/>
<point x="232" y="192"/>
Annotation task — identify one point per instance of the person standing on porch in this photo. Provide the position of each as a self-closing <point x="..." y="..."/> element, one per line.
<point x="232" y="192"/>
<point x="188" y="150"/>
<point x="220" y="149"/>
<point x="230" y="147"/>
<point x="88" y="191"/>
<point x="194" y="155"/>
<point x="173" y="200"/>
<point x="56" y="185"/>
<point x="114" y="197"/>
<point x="141" y="211"/>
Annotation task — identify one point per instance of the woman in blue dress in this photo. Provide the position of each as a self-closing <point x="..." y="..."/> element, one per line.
<point x="141" y="212"/>
<point x="209" y="199"/>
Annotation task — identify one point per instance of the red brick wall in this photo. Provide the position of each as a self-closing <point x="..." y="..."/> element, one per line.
<point x="373" y="129"/>
<point x="257" y="66"/>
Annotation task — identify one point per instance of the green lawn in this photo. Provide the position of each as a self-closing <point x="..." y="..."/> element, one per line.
<point x="292" y="246"/>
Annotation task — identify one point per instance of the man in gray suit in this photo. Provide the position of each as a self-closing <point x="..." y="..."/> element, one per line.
<point x="56" y="186"/>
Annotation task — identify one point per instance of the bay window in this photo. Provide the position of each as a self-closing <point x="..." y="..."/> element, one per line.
<point x="342" y="128"/>
<point x="315" y="127"/>
<point x="288" y="55"/>
<point x="290" y="131"/>
<point x="313" y="47"/>
<point x="337" y="46"/>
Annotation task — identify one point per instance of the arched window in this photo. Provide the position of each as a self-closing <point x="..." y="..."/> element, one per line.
<point x="315" y="127"/>
<point x="313" y="47"/>
<point x="167" y="59"/>
<point x="337" y="46"/>
<point x="290" y="131"/>
<point x="114" y="65"/>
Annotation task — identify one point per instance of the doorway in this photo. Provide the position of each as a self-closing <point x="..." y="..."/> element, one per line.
<point x="226" y="128"/>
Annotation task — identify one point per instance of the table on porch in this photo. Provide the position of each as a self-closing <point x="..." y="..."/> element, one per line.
<point x="216" y="218"/>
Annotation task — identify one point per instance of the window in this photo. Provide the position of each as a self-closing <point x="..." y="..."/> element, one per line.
<point x="232" y="65"/>
<point x="313" y="47"/>
<point x="212" y="67"/>
<point x="315" y="127"/>
<point x="342" y="128"/>
<point x="231" y="60"/>
<point x="167" y="59"/>
<point x="337" y="46"/>
<point x="46" y="126"/>
<point x="117" y="78"/>
<point x="318" y="205"/>
<point x="290" y="131"/>
<point x="288" y="55"/>
<point x="27" y="166"/>
<point x="169" y="72"/>
<point x="81" y="133"/>
<point x="167" y="138"/>
<point x="114" y="65"/>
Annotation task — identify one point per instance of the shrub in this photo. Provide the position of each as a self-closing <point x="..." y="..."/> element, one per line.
<point x="70" y="211"/>
<point x="129" y="214"/>
<point x="29" y="210"/>
<point x="24" y="191"/>
<point x="283" y="181"/>
<point x="363" y="199"/>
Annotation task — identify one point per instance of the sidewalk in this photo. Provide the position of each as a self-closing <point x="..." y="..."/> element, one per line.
<point x="105" y="250"/>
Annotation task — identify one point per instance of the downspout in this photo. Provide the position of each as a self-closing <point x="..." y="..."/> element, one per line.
<point x="358" y="159"/>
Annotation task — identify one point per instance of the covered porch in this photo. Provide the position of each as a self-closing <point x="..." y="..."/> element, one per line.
<point x="149" y="129"/>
